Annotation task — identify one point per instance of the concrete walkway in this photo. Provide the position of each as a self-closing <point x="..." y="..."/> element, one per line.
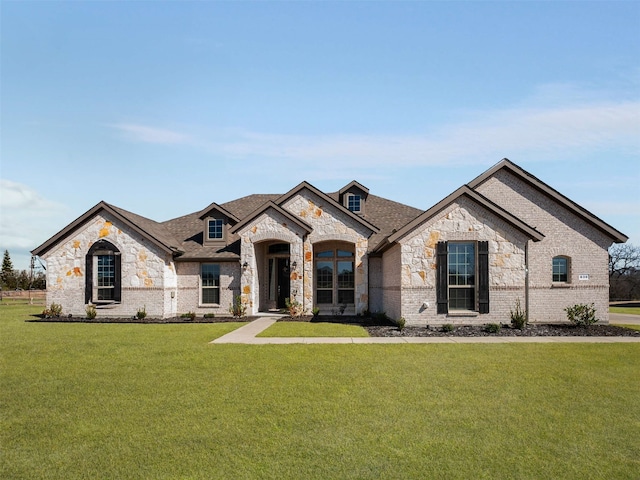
<point x="247" y="335"/>
<point x="624" y="318"/>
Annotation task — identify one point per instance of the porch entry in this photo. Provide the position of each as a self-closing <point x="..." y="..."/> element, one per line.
<point x="279" y="275"/>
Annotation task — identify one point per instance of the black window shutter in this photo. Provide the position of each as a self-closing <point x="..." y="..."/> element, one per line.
<point x="117" y="283"/>
<point x="442" y="282"/>
<point x="88" y="279"/>
<point x="483" y="277"/>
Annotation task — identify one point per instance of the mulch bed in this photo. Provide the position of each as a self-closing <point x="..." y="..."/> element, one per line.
<point x="536" y="330"/>
<point x="506" y="331"/>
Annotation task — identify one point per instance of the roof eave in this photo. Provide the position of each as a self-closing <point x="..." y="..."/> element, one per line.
<point x="613" y="233"/>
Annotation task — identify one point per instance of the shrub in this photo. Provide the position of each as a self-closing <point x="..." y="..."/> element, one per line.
<point x="237" y="308"/>
<point x="294" y="307"/>
<point x="91" y="311"/>
<point x="209" y="315"/>
<point x="401" y="323"/>
<point x="141" y="314"/>
<point x="315" y="311"/>
<point x="380" y="318"/>
<point x="581" y="314"/>
<point x="518" y="317"/>
<point x="447" y="327"/>
<point x="55" y="309"/>
<point x="190" y="315"/>
<point x="492" y="327"/>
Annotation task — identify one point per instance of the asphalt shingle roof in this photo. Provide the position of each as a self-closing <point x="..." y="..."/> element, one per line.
<point x="385" y="214"/>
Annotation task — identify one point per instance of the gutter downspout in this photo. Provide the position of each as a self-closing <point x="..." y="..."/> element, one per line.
<point x="526" y="280"/>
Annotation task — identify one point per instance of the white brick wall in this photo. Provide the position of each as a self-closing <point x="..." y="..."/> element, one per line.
<point x="565" y="234"/>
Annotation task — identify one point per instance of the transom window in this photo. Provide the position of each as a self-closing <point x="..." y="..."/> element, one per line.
<point x="215" y="229"/>
<point x="335" y="276"/>
<point x="210" y="283"/>
<point x="353" y="203"/>
<point x="560" y="269"/>
<point x="462" y="276"/>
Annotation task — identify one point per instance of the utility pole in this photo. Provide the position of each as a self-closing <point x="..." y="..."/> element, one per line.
<point x="33" y="263"/>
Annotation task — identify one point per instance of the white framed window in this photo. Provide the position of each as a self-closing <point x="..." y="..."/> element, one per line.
<point x="462" y="276"/>
<point x="215" y="229"/>
<point x="354" y="203"/>
<point x="560" y="269"/>
<point x="210" y="284"/>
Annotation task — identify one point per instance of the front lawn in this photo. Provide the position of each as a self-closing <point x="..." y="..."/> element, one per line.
<point x="313" y="329"/>
<point x="627" y="310"/>
<point x="131" y="401"/>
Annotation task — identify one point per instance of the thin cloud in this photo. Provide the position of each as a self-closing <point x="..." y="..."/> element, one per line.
<point x="147" y="134"/>
<point x="544" y="133"/>
<point x="26" y="217"/>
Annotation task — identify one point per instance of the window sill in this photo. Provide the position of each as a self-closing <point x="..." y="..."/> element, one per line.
<point x="462" y="313"/>
<point x="100" y="305"/>
<point x="560" y="285"/>
<point x="209" y="305"/>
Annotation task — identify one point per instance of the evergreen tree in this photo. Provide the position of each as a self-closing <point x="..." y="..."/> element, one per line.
<point x="7" y="270"/>
<point x="7" y="265"/>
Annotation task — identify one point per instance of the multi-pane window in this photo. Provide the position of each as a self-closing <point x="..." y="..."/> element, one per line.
<point x="210" y="282"/>
<point x="105" y="277"/>
<point x="560" y="269"/>
<point x="215" y="229"/>
<point x="353" y="203"/>
<point x="335" y="277"/>
<point x="103" y="271"/>
<point x="462" y="276"/>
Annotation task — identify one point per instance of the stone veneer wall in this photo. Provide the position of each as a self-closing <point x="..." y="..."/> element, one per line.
<point x="462" y="221"/>
<point x="330" y="224"/>
<point x="188" y="297"/>
<point x="565" y="234"/>
<point x="148" y="274"/>
<point x="271" y="225"/>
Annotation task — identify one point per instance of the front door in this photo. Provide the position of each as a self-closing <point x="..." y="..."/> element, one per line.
<point x="283" y="282"/>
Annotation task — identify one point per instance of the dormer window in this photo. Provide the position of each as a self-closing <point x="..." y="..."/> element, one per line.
<point x="354" y="197"/>
<point x="353" y="203"/>
<point x="215" y="229"/>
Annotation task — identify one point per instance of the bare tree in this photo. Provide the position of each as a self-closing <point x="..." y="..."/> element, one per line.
<point x="624" y="272"/>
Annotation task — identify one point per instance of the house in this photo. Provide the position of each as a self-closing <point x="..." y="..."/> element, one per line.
<point x="503" y="238"/>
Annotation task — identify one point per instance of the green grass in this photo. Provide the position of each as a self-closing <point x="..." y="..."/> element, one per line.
<point x="313" y="329"/>
<point x="123" y="401"/>
<point x="627" y="325"/>
<point x="627" y="310"/>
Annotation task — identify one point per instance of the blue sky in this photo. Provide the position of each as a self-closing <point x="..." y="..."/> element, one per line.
<point x="164" y="107"/>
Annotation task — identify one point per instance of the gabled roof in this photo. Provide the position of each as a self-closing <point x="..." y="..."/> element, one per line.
<point x="214" y="206"/>
<point x="354" y="184"/>
<point x="329" y="200"/>
<point x="542" y="187"/>
<point x="292" y="218"/>
<point x="145" y="227"/>
<point x="476" y="197"/>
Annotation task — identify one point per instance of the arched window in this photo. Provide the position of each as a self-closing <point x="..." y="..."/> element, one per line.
<point x="103" y="266"/>
<point x="560" y="269"/>
<point x="335" y="274"/>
